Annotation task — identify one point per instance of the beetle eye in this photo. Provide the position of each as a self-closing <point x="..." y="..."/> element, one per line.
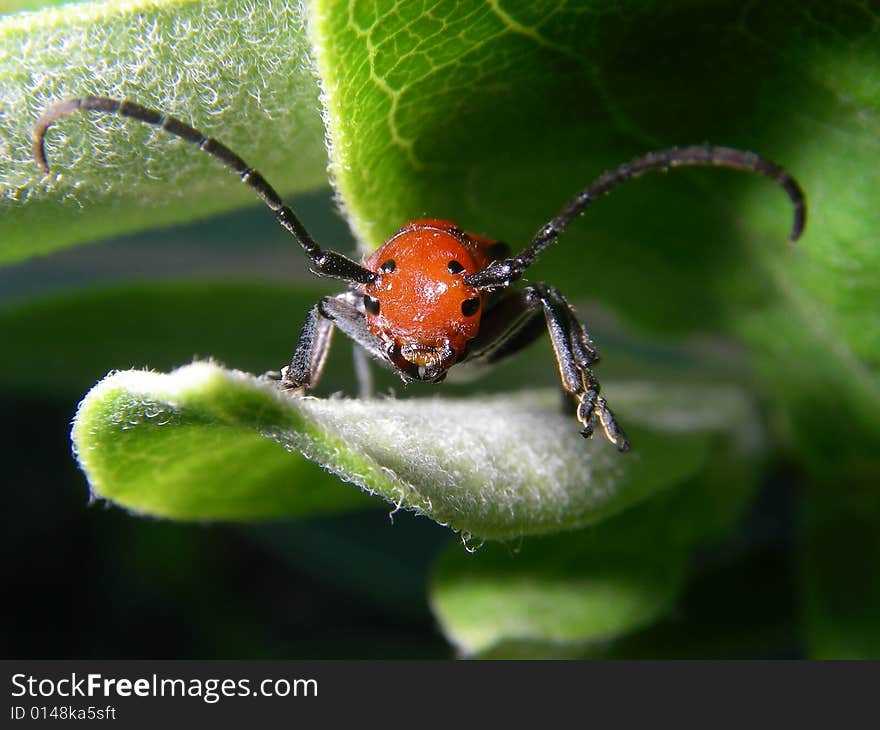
<point x="454" y="267"/>
<point x="469" y="307"/>
<point x="371" y="304"/>
<point x="388" y="266"/>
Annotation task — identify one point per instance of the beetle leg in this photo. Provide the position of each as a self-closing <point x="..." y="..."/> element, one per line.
<point x="516" y="318"/>
<point x="308" y="360"/>
<point x="341" y="312"/>
<point x="575" y="354"/>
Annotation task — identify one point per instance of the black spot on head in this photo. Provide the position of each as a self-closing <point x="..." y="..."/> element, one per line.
<point x="454" y="267"/>
<point x="469" y="307"/>
<point x="388" y="266"/>
<point x="371" y="304"/>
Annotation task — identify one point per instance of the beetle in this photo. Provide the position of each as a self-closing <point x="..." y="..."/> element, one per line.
<point x="433" y="295"/>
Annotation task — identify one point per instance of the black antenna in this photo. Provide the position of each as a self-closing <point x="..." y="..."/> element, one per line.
<point x="503" y="271"/>
<point x="326" y="263"/>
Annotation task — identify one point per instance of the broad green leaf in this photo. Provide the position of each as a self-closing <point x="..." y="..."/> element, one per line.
<point x="493" y="467"/>
<point x="818" y="346"/>
<point x="494" y="114"/>
<point x="236" y="70"/>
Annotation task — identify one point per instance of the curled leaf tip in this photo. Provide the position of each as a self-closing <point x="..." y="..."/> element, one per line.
<point x="494" y="467"/>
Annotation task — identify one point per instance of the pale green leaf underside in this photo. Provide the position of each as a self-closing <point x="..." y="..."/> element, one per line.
<point x="237" y="70"/>
<point x="490" y="467"/>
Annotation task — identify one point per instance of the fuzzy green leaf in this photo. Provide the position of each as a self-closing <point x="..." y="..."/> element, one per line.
<point x="193" y="446"/>
<point x="235" y="70"/>
<point x="15" y="6"/>
<point x="491" y="467"/>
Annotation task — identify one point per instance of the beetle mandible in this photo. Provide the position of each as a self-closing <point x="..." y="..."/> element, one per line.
<point x="434" y="296"/>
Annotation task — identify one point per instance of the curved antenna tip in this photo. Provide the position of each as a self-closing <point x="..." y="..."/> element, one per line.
<point x="46" y="120"/>
<point x="38" y="151"/>
<point x="800" y="220"/>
